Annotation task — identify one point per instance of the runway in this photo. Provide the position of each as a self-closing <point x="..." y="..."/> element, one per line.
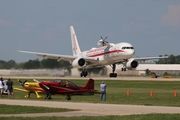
<point x="88" y="109"/>
<point x="95" y="78"/>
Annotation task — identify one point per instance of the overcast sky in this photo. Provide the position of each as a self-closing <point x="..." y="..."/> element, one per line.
<point x="151" y="26"/>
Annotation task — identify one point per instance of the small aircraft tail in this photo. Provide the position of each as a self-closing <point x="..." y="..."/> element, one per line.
<point x="90" y="84"/>
<point x="75" y="45"/>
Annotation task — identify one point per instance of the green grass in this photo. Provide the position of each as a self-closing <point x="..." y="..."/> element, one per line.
<point x="125" y="117"/>
<point x="116" y="93"/>
<point x="16" y="109"/>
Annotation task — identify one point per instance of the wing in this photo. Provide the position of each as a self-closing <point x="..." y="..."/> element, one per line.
<point x="19" y="89"/>
<point x="30" y="89"/>
<point x="148" y="58"/>
<point x="59" y="57"/>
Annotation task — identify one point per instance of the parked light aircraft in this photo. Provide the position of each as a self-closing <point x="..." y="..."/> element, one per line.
<point x="30" y="87"/>
<point x="68" y="88"/>
<point x="106" y="54"/>
<point x="57" y="86"/>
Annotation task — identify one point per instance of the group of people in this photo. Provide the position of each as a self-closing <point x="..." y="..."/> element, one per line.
<point x="9" y="84"/>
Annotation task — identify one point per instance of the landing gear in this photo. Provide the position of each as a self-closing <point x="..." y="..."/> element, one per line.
<point x="123" y="69"/>
<point x="28" y="95"/>
<point x="48" y="96"/>
<point x="68" y="97"/>
<point x="84" y="73"/>
<point x="113" y="70"/>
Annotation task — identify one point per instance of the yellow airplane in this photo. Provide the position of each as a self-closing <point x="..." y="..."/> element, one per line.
<point x="31" y="87"/>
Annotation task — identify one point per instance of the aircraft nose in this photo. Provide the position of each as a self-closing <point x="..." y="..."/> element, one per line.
<point x="131" y="52"/>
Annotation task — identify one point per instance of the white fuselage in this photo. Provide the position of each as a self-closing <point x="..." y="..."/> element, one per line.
<point x="109" y="55"/>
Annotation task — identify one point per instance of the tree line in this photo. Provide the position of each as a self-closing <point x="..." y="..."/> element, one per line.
<point x="172" y="59"/>
<point x="35" y="64"/>
<point x="43" y="64"/>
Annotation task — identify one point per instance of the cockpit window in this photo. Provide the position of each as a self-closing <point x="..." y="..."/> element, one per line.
<point x="127" y="47"/>
<point x="66" y="83"/>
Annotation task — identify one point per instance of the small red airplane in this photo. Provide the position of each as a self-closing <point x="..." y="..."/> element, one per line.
<point x="68" y="88"/>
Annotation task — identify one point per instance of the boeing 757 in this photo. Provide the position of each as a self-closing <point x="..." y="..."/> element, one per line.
<point x="106" y="54"/>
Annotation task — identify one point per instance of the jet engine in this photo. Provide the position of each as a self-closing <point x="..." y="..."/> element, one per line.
<point x="79" y="62"/>
<point x="131" y="64"/>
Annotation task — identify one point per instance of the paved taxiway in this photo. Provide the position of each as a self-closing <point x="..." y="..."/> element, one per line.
<point x="89" y="109"/>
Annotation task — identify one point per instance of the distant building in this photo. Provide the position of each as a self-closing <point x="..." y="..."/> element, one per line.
<point x="159" y="69"/>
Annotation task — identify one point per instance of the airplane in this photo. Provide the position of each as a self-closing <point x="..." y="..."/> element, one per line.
<point x="106" y="54"/>
<point x="31" y="87"/>
<point x="68" y="88"/>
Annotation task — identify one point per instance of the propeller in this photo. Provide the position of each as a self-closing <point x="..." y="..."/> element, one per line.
<point x="46" y="86"/>
<point x="103" y="41"/>
<point x="22" y="83"/>
<point x="36" y="81"/>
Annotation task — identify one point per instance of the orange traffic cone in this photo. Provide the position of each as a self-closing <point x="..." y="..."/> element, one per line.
<point x="175" y="94"/>
<point x="127" y="92"/>
<point x="151" y="93"/>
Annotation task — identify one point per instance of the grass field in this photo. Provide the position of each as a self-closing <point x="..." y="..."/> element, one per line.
<point x="116" y="94"/>
<point x="16" y="109"/>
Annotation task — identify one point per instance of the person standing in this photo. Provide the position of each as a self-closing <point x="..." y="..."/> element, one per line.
<point x="10" y="88"/>
<point x="1" y="86"/>
<point x="103" y="91"/>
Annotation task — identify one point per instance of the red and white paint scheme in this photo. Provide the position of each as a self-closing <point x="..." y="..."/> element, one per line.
<point x="105" y="54"/>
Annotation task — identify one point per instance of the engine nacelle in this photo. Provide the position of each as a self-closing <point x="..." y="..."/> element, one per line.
<point x="132" y="64"/>
<point x="79" y="62"/>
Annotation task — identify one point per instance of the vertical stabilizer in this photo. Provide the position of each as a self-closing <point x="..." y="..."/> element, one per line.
<point x="75" y="45"/>
<point x="90" y="84"/>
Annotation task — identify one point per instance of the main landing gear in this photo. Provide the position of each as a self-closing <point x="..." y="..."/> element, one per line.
<point x="123" y="69"/>
<point x="68" y="97"/>
<point x="113" y="70"/>
<point x="84" y="73"/>
<point x="48" y="96"/>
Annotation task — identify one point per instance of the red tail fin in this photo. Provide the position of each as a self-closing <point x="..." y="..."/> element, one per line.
<point x="90" y="84"/>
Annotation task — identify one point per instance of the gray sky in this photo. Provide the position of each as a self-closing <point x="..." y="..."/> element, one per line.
<point x="151" y="26"/>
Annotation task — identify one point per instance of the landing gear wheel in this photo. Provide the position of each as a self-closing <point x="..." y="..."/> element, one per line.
<point x="113" y="75"/>
<point x="123" y="69"/>
<point x="81" y="74"/>
<point x="84" y="73"/>
<point x="48" y="96"/>
<point x="68" y="97"/>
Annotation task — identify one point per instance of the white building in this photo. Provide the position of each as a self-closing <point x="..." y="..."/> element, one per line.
<point x="140" y="70"/>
